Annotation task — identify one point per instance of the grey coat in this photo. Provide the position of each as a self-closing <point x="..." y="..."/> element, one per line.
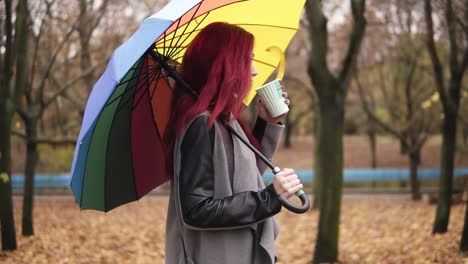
<point x="189" y="244"/>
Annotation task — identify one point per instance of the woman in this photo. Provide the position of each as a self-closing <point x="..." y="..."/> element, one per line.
<point x="219" y="209"/>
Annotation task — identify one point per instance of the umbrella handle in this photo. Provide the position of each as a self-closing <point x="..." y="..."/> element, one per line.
<point x="292" y="207"/>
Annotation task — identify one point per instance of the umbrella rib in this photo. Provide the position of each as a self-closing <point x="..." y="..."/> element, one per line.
<point x="201" y="2"/>
<point x="165" y="39"/>
<point x="86" y="163"/>
<point x="186" y="26"/>
<point x="152" y="113"/>
<point x="264" y="63"/>
<point x="156" y="85"/>
<point x="178" y="24"/>
<point x="133" y="78"/>
<point x="146" y="83"/>
<point x="164" y="42"/>
<point x="178" y="58"/>
<point x="127" y="90"/>
<point x="178" y="51"/>
<point x="266" y="25"/>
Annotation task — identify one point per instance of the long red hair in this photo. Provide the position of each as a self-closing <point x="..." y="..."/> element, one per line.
<point x="217" y="66"/>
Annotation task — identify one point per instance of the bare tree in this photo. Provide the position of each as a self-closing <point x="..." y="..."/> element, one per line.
<point x="7" y="108"/>
<point x="414" y="126"/>
<point x="449" y="91"/>
<point x="88" y="21"/>
<point x="38" y="95"/>
<point x="407" y="97"/>
<point x="331" y="92"/>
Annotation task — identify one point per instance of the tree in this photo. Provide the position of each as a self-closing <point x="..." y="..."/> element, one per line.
<point x="449" y="91"/>
<point x="464" y="238"/>
<point x="413" y="126"/>
<point x="404" y="96"/>
<point x="88" y="21"/>
<point x="331" y="91"/>
<point x="7" y="102"/>
<point x="39" y="95"/>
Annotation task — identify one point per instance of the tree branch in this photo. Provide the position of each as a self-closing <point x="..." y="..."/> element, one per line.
<point x="394" y="113"/>
<point x="318" y="34"/>
<point x="52" y="61"/>
<point x="357" y="34"/>
<point x="46" y="140"/>
<point x="449" y="16"/>
<point x="22" y="32"/>
<point x="371" y="114"/>
<point x="37" y="39"/>
<point x="72" y="82"/>
<point x="7" y="63"/>
<point x="436" y="64"/>
<point x="101" y="11"/>
<point x="307" y="88"/>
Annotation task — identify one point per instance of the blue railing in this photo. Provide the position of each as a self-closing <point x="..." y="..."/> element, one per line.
<point x="369" y="175"/>
<point x="350" y="176"/>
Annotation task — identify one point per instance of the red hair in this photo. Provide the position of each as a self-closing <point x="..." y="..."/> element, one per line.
<point x="217" y="66"/>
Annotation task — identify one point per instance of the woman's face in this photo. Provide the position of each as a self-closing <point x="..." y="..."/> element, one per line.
<point x="253" y="71"/>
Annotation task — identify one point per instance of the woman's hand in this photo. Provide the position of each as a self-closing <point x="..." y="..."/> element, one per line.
<point x="265" y="115"/>
<point x="287" y="183"/>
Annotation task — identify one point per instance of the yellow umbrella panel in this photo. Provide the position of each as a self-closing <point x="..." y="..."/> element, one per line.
<point x="272" y="22"/>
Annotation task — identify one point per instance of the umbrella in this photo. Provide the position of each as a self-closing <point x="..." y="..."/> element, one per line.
<point x="119" y="156"/>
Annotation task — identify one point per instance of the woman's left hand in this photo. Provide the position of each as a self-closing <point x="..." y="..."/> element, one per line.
<point x="265" y="115"/>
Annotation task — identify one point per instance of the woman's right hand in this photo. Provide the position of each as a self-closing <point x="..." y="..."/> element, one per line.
<point x="287" y="183"/>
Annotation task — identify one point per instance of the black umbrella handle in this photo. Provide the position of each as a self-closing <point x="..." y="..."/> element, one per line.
<point x="292" y="207"/>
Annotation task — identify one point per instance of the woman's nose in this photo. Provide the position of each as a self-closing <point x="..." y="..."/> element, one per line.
<point x="254" y="71"/>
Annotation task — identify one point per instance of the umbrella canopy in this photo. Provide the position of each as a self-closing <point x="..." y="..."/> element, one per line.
<point x="119" y="156"/>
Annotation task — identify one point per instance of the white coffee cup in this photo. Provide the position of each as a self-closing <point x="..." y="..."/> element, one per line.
<point x="272" y="95"/>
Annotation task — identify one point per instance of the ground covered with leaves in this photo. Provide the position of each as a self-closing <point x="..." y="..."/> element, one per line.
<point x="374" y="229"/>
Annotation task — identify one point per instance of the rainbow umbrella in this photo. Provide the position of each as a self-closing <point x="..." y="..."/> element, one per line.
<point x="119" y="156"/>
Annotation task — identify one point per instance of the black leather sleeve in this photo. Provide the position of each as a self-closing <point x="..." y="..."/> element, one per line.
<point x="196" y="183"/>
<point x="259" y="129"/>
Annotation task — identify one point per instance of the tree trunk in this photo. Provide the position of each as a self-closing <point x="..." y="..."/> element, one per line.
<point x="373" y="149"/>
<point x="7" y="223"/>
<point x="373" y="145"/>
<point x="464" y="239"/>
<point x="330" y="149"/>
<point x="446" y="172"/>
<point x="414" y="159"/>
<point x="318" y="169"/>
<point x="84" y="30"/>
<point x="331" y="91"/>
<point x="30" y="167"/>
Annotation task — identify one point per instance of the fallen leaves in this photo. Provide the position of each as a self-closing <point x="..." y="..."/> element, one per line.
<point x="374" y="229"/>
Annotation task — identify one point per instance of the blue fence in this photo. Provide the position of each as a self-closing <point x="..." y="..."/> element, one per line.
<point x="350" y="176"/>
<point x="369" y="175"/>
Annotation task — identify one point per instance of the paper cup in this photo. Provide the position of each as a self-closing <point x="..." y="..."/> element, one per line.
<point x="272" y="95"/>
